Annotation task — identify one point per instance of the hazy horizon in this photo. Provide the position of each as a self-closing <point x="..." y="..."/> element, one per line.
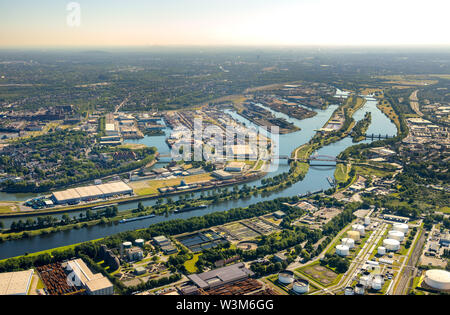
<point x="232" y="23"/>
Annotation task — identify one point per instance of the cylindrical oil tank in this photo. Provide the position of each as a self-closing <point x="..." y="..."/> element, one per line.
<point x="366" y="220"/>
<point x="286" y="277"/>
<point x="381" y="250"/>
<point x="348" y="242"/>
<point x="377" y="283"/>
<point x="353" y="234"/>
<point x="349" y="291"/>
<point x="359" y="289"/>
<point x="366" y="281"/>
<point x="300" y="286"/>
<point x="359" y="228"/>
<point x="396" y="235"/>
<point x="402" y="227"/>
<point x="139" y="242"/>
<point x="126" y="244"/>
<point x="391" y="245"/>
<point x="342" y="250"/>
<point x="438" y="279"/>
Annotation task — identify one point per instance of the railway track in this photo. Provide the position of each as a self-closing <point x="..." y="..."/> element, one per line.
<point x="410" y="268"/>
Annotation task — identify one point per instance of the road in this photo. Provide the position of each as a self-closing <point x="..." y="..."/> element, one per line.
<point x="414" y="102"/>
<point x="401" y="285"/>
<point x="118" y="107"/>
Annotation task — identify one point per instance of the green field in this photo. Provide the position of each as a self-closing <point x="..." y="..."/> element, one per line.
<point x="341" y="172"/>
<point x="190" y="264"/>
<point x="321" y="274"/>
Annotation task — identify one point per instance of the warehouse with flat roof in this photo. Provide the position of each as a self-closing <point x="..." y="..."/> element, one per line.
<point x="81" y="275"/>
<point x="221" y="276"/>
<point x="15" y="283"/>
<point x="91" y="192"/>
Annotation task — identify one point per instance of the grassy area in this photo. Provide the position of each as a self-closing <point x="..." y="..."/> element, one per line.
<point x="367" y="170"/>
<point x="7" y="208"/>
<point x="341" y="172"/>
<point x="190" y="264"/>
<point x="445" y="209"/>
<point x="151" y="187"/>
<point x="387" y="109"/>
<point x="321" y="274"/>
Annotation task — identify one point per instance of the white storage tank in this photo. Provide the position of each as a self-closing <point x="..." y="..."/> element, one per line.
<point x="359" y="289"/>
<point x="438" y="279"/>
<point x="396" y="235"/>
<point x="377" y="283"/>
<point x="301" y="286"/>
<point x="359" y="228"/>
<point x="126" y="244"/>
<point x="286" y="277"/>
<point x="139" y="242"/>
<point x="391" y="245"/>
<point x="349" y="291"/>
<point x="366" y="281"/>
<point x="366" y="220"/>
<point x="342" y="250"/>
<point x="348" y="242"/>
<point x="402" y="227"/>
<point x="354" y="235"/>
<point x="381" y="250"/>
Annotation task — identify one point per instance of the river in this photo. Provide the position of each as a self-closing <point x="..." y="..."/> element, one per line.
<point x="315" y="179"/>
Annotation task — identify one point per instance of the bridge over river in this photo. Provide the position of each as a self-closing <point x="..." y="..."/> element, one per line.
<point x="313" y="158"/>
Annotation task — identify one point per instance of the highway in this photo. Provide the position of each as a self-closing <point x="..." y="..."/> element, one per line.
<point x="414" y="102"/>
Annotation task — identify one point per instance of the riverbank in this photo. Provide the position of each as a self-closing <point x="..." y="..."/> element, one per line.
<point x="315" y="179"/>
<point x="126" y="200"/>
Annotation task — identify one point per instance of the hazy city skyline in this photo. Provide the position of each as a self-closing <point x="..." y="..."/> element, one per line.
<point x="200" y="22"/>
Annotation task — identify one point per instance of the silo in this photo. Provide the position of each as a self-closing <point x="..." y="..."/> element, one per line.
<point x="139" y="242"/>
<point x="359" y="289"/>
<point x="391" y="245"/>
<point x="349" y="291"/>
<point x="396" y="235"/>
<point x="126" y="244"/>
<point x="366" y="220"/>
<point x="353" y="234"/>
<point x="301" y="286"/>
<point x="359" y="228"/>
<point x="342" y="250"/>
<point x="381" y="250"/>
<point x="286" y="277"/>
<point x="348" y="242"/>
<point x="402" y="227"/>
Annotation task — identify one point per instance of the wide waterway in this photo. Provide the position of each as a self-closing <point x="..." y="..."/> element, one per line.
<point x="315" y="179"/>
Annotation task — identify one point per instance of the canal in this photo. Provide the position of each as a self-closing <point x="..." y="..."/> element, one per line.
<point x="315" y="179"/>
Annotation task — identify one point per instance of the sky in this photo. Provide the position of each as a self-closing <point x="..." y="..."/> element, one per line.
<point x="41" y="23"/>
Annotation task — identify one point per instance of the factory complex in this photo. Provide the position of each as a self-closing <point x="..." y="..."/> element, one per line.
<point x="92" y="192"/>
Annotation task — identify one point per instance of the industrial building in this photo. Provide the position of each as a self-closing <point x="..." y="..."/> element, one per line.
<point x="81" y="275"/>
<point x="218" y="277"/>
<point x="166" y="245"/>
<point x="222" y="175"/>
<point x="235" y="167"/>
<point x="92" y="192"/>
<point x="15" y="283"/>
<point x="134" y="253"/>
